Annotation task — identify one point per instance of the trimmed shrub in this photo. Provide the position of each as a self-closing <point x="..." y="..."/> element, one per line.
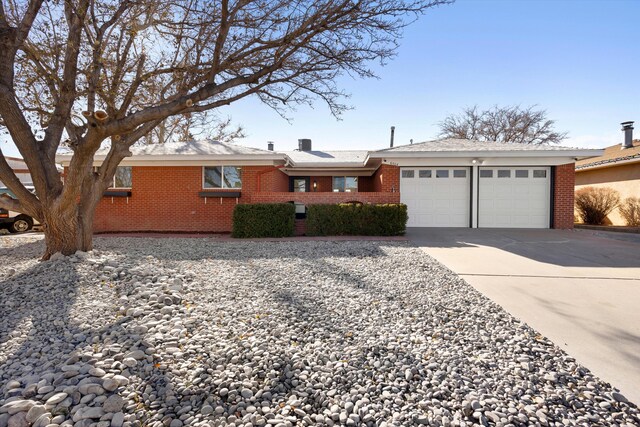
<point x="630" y="211"/>
<point x="595" y="203"/>
<point x="263" y="220"/>
<point x="356" y="219"/>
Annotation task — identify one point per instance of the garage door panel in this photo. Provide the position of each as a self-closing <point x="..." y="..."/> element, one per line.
<point x="435" y="198"/>
<point x="521" y="201"/>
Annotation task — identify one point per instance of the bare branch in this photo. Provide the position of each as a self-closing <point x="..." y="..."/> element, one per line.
<point x="9" y="203"/>
<point x="30" y="204"/>
<point x="502" y="124"/>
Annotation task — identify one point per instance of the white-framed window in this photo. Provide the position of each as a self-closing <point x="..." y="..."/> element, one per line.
<point x="221" y="177"/>
<point x="348" y="184"/>
<point x="122" y="177"/>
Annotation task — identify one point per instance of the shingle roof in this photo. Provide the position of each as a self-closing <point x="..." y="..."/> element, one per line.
<point x="185" y="151"/>
<point x="350" y="158"/>
<point x="612" y="155"/>
<point x="452" y="144"/>
<point x="192" y="148"/>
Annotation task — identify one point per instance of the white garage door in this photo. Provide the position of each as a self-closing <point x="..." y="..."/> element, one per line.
<point x="514" y="197"/>
<point x="436" y="197"/>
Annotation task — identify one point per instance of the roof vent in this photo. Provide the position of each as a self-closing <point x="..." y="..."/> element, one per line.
<point x="627" y="128"/>
<point x="304" y="144"/>
<point x="270" y="145"/>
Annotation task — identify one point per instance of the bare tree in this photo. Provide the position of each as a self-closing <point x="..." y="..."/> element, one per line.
<point x="188" y="127"/>
<point x="96" y="70"/>
<point x="502" y="124"/>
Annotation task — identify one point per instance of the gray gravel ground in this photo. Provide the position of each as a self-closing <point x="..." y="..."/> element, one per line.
<point x="176" y="332"/>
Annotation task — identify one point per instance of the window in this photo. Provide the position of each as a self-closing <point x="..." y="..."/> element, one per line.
<point x="486" y="173"/>
<point x="222" y="177"/>
<point x="540" y="173"/>
<point x="424" y="174"/>
<point x="504" y="173"/>
<point x="347" y="184"/>
<point x="408" y="174"/>
<point x="299" y="185"/>
<point x="460" y="173"/>
<point x="442" y="173"/>
<point x="122" y="177"/>
<point x="522" y="174"/>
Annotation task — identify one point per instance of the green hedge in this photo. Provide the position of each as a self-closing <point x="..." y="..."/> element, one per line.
<point x="356" y="220"/>
<point x="263" y="220"/>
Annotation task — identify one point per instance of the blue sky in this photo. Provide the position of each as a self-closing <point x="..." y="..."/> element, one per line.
<point x="577" y="59"/>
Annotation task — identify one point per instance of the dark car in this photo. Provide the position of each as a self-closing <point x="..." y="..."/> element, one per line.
<point x="15" y="222"/>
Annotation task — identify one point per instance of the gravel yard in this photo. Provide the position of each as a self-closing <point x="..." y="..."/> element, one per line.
<point x="175" y="332"/>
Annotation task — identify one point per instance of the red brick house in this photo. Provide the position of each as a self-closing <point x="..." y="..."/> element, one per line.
<point x="193" y="187"/>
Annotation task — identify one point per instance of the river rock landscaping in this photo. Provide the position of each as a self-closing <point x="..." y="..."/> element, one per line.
<point x="195" y="332"/>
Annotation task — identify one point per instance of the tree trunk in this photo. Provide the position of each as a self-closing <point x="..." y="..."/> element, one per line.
<point x="68" y="229"/>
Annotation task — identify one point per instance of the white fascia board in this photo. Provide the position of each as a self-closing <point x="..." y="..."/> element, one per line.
<point x="247" y="160"/>
<point x="327" y="165"/>
<point x="575" y="154"/>
<point x="481" y="161"/>
<point x="329" y="171"/>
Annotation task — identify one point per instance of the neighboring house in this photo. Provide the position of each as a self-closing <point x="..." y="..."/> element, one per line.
<point x="19" y="167"/>
<point x="193" y="187"/>
<point x="618" y="168"/>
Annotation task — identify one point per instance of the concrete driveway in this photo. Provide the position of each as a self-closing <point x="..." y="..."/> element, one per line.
<point x="580" y="288"/>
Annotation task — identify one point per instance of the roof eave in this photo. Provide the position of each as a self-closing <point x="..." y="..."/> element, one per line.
<point x="183" y="157"/>
<point x="607" y="165"/>
<point x="577" y="154"/>
<point x="326" y="165"/>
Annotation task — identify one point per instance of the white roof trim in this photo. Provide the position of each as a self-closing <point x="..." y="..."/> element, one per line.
<point x="329" y="171"/>
<point x="577" y="154"/>
<point x="184" y="159"/>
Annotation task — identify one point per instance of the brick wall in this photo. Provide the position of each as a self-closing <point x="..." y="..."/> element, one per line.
<point x="269" y="179"/>
<point x="167" y="199"/>
<point x="564" y="179"/>
<point x="387" y="179"/>
<point x="300" y="227"/>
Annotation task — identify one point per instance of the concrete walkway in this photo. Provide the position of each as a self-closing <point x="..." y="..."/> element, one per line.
<point x="581" y="288"/>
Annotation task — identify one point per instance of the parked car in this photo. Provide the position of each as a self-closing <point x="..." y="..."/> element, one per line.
<point x="15" y="222"/>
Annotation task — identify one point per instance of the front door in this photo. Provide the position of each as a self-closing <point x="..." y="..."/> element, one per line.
<point x="299" y="184"/>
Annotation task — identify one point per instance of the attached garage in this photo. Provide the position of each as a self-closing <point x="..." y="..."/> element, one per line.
<point x="436" y="197"/>
<point x="464" y="183"/>
<point x="514" y="197"/>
